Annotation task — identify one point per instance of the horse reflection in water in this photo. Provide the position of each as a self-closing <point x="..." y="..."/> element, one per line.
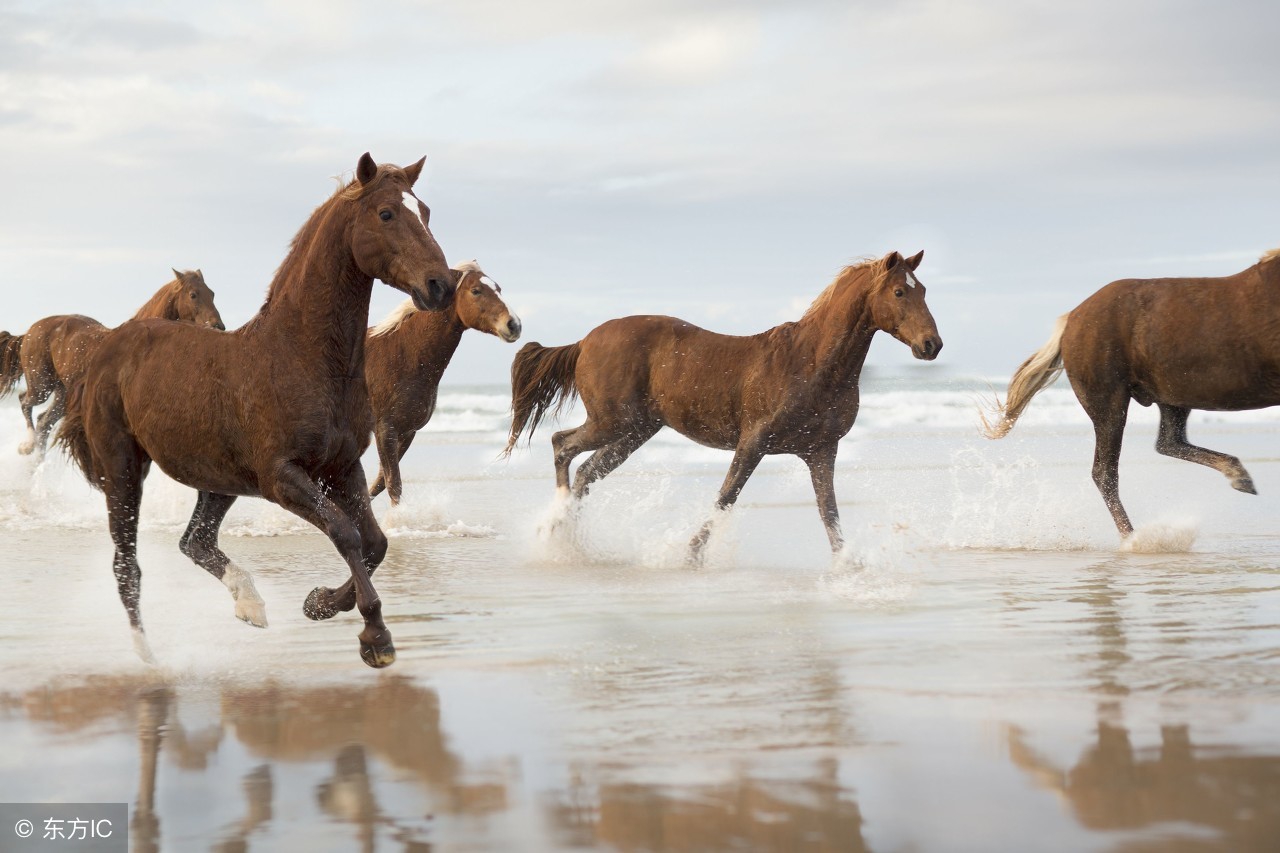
<point x="1117" y="786"/>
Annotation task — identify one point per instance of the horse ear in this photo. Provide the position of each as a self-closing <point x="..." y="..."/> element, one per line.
<point x="891" y="260"/>
<point x="914" y="260"/>
<point x="176" y="274"/>
<point x="366" y="169"/>
<point x="412" y="172"/>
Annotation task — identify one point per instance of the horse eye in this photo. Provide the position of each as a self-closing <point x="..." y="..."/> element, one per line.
<point x="899" y="293"/>
<point x="475" y="291"/>
<point x="386" y="215"/>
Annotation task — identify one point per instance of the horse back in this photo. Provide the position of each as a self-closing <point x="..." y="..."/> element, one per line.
<point x="1199" y="343"/>
<point x="58" y="347"/>
<point x="666" y="370"/>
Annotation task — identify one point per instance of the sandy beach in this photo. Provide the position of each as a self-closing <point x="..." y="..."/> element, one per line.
<point x="983" y="669"/>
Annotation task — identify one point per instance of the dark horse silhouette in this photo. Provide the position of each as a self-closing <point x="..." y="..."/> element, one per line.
<point x="277" y="408"/>
<point x="54" y="351"/>
<point x="407" y="353"/>
<point x="1181" y="343"/>
<point x="792" y="389"/>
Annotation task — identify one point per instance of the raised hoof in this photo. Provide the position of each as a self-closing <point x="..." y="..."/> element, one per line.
<point x="378" y="656"/>
<point x="26" y="447"/>
<point x="1244" y="484"/>
<point x="252" y="612"/>
<point x="319" y="605"/>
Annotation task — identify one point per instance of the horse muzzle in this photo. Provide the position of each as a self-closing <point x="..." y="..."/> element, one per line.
<point x="510" y="330"/>
<point x="432" y="296"/>
<point x="927" y="349"/>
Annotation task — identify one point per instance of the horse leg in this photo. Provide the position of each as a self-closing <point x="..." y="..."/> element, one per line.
<point x="123" y="489"/>
<point x="603" y="462"/>
<point x="32" y="396"/>
<point x="295" y="491"/>
<point x="384" y="438"/>
<point x="48" y="418"/>
<point x="822" y="470"/>
<point x="1108" y="432"/>
<point x="1172" y="441"/>
<point x="323" y="602"/>
<point x="745" y="460"/>
<point x="567" y="444"/>
<point x="200" y="543"/>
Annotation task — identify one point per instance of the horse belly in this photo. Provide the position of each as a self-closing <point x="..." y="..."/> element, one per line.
<point x="1213" y="382"/>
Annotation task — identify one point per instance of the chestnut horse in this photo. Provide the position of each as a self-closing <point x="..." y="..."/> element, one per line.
<point x="277" y="408"/>
<point x="407" y="353"/>
<point x="54" y="350"/>
<point x="792" y="389"/>
<point x="1181" y="343"/>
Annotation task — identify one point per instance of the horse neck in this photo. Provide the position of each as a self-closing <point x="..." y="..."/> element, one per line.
<point x="435" y="337"/>
<point x="161" y="306"/>
<point x="837" y="334"/>
<point x="319" y="300"/>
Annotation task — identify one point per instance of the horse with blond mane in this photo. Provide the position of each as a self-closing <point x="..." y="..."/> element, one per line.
<point x="277" y="408"/>
<point x="406" y="355"/>
<point x="54" y="351"/>
<point x="792" y="389"/>
<point x="1180" y="343"/>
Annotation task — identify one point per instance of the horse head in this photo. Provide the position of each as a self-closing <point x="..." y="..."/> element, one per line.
<point x="480" y="307"/>
<point x="898" y="306"/>
<point x="193" y="300"/>
<point x="390" y="237"/>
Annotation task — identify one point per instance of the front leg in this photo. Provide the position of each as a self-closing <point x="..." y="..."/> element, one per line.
<point x="745" y="460"/>
<point x="293" y="489"/>
<point x="822" y="469"/>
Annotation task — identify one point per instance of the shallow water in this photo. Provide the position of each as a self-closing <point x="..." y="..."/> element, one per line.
<point x="983" y="669"/>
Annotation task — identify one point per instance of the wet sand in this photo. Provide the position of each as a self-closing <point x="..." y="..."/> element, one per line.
<point x="985" y="670"/>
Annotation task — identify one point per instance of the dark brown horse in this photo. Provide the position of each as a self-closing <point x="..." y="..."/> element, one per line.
<point x="407" y="353"/>
<point x="1181" y="343"/>
<point x="792" y="389"/>
<point x="54" y="351"/>
<point x="277" y="408"/>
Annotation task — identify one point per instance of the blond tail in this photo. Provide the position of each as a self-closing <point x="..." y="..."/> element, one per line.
<point x="1036" y="373"/>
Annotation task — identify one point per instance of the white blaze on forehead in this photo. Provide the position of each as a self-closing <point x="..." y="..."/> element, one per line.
<point x="412" y="203"/>
<point x="911" y="279"/>
<point x="484" y="279"/>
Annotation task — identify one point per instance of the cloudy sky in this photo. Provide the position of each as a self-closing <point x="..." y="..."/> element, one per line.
<point x="710" y="159"/>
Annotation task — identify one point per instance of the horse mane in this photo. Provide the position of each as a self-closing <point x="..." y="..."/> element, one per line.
<point x="873" y="266"/>
<point x="151" y="308"/>
<point x="1269" y="255"/>
<point x="349" y="189"/>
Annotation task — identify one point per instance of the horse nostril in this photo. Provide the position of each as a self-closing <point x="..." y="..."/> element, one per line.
<point x="928" y="347"/>
<point x="513" y="326"/>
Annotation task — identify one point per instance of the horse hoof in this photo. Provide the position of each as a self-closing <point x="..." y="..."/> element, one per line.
<point x="26" y="447"/>
<point x="254" y="612"/>
<point x="1244" y="484"/>
<point x="319" y="605"/>
<point x="378" y="656"/>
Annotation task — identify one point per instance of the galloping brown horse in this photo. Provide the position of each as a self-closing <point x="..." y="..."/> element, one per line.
<point x="792" y="389"/>
<point x="407" y="353"/>
<point x="1181" y="343"/>
<point x="277" y="408"/>
<point x="55" y="350"/>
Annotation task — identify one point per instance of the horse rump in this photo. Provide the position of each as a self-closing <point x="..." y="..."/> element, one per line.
<point x="542" y="378"/>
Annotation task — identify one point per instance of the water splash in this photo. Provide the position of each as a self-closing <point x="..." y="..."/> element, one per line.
<point x="1162" y="538"/>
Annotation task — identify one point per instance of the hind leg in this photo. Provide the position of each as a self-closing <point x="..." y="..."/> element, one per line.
<point x="605" y="460"/>
<point x="567" y="444"/>
<point x="1172" y="441"/>
<point x="200" y="543"/>
<point x="33" y="396"/>
<point x="48" y="418"/>
<point x="1108" y="432"/>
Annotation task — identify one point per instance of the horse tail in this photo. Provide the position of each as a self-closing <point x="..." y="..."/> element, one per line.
<point x="1036" y="373"/>
<point x="541" y="378"/>
<point x="72" y="437"/>
<point x="10" y="362"/>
